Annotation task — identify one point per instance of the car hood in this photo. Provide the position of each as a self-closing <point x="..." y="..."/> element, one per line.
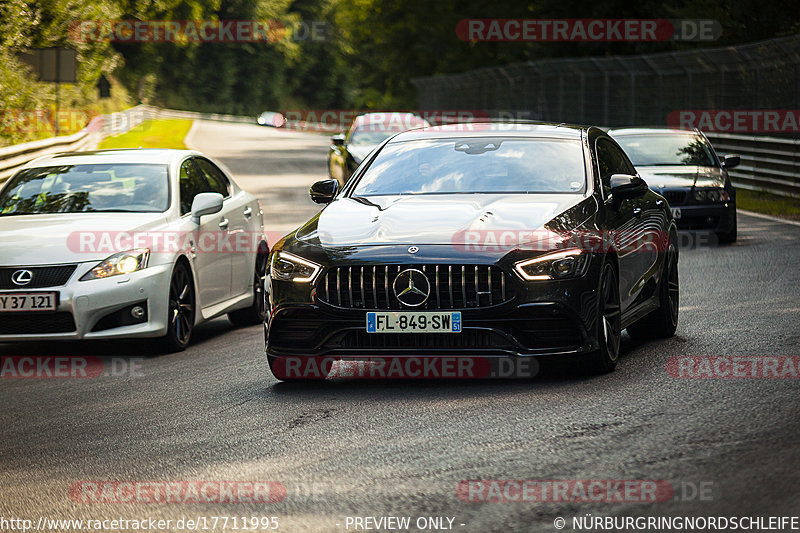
<point x="27" y="240"/>
<point x="682" y="176"/>
<point x="360" y="151"/>
<point x="429" y="219"/>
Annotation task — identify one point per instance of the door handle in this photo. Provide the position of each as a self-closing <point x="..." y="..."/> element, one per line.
<point x="223" y="224"/>
<point x="248" y="211"/>
<point x="637" y="212"/>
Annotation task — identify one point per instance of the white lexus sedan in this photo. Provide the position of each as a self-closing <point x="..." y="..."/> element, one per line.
<point x="127" y="243"/>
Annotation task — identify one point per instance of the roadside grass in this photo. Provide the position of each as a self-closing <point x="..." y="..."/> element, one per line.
<point x="768" y="204"/>
<point x="166" y="133"/>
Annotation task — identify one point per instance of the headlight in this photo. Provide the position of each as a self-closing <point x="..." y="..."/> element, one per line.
<point x="121" y="263"/>
<point x="711" y="195"/>
<point x="563" y="264"/>
<point x="288" y="267"/>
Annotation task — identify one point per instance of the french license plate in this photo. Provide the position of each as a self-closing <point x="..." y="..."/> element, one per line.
<point x="27" y="301"/>
<point x="414" y="322"/>
<point x="676" y="212"/>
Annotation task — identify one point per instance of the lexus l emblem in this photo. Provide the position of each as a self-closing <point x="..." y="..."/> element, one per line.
<point x="22" y="277"/>
<point x="411" y="287"/>
<point x="413" y="249"/>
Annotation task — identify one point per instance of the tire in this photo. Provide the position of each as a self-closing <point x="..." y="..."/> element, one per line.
<point x="609" y="332"/>
<point x="730" y="236"/>
<point x="181" y="310"/>
<point x="256" y="313"/>
<point x="662" y="323"/>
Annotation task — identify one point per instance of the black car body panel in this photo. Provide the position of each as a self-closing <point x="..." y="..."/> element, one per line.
<point x="362" y="243"/>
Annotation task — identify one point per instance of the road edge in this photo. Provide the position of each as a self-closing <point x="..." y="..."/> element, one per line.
<point x="768" y="217"/>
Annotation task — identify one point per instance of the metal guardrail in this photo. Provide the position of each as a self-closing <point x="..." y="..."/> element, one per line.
<point x="14" y="157"/>
<point x="768" y="164"/>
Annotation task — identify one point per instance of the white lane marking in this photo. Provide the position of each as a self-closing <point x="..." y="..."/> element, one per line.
<point x="768" y="217"/>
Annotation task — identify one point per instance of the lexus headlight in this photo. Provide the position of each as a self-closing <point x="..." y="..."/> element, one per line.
<point x="711" y="195"/>
<point x="563" y="264"/>
<point x="121" y="263"/>
<point x="289" y="267"/>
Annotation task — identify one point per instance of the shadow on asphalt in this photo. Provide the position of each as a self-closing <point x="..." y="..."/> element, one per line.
<point x="114" y="348"/>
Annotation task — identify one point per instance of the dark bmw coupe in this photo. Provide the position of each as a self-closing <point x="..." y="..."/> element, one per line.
<point x="511" y="240"/>
<point x="684" y="168"/>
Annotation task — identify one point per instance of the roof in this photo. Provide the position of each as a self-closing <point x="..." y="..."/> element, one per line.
<point x="648" y="130"/>
<point x="123" y="155"/>
<point x="496" y="129"/>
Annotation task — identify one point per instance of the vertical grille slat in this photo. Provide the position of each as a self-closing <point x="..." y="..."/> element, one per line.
<point x="477" y="289"/>
<point x="350" y="284"/>
<point x="438" y="295"/>
<point x="363" y="296"/>
<point x="463" y="286"/>
<point x="450" y="285"/>
<point x="339" y="286"/>
<point x="489" y="277"/>
<point x="360" y="287"/>
<point x="386" y="285"/>
<point x="375" y="285"/>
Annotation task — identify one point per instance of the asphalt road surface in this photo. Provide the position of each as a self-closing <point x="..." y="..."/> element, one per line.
<point x="357" y="448"/>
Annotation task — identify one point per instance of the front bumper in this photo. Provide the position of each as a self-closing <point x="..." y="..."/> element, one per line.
<point x="714" y="217"/>
<point x="542" y="318"/>
<point x="95" y="309"/>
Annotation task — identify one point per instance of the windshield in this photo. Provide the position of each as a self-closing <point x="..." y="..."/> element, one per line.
<point x="370" y="136"/>
<point x="666" y="149"/>
<point x="87" y="188"/>
<point x="475" y="165"/>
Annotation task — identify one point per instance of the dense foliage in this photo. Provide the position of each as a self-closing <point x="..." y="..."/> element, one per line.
<point x="371" y="49"/>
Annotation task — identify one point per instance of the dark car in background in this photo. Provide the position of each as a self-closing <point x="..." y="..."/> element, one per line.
<point x="413" y="256"/>
<point x="365" y="133"/>
<point x="683" y="167"/>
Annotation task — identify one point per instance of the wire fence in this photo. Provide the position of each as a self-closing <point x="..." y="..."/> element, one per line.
<point x="627" y="90"/>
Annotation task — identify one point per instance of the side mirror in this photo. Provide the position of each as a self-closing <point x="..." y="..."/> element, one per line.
<point x="730" y="161"/>
<point x="626" y="186"/>
<point x="323" y="192"/>
<point x="338" y="139"/>
<point x="206" y="203"/>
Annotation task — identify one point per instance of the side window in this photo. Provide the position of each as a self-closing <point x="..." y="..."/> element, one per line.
<point x="610" y="160"/>
<point x="191" y="183"/>
<point x="215" y="178"/>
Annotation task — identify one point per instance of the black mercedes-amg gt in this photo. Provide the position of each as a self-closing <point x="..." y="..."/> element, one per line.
<point x="511" y="240"/>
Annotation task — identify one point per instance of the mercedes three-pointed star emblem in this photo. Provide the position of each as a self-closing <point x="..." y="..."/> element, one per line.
<point x="411" y="287"/>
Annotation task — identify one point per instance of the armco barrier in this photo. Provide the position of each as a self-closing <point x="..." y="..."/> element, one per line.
<point x="769" y="164"/>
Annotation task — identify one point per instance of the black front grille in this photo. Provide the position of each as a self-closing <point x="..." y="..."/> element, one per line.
<point x="33" y="323"/>
<point x="41" y="277"/>
<point x="451" y="286"/>
<point x="675" y="197"/>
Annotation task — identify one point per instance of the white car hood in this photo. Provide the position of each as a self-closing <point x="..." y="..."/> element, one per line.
<point x="29" y="240"/>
